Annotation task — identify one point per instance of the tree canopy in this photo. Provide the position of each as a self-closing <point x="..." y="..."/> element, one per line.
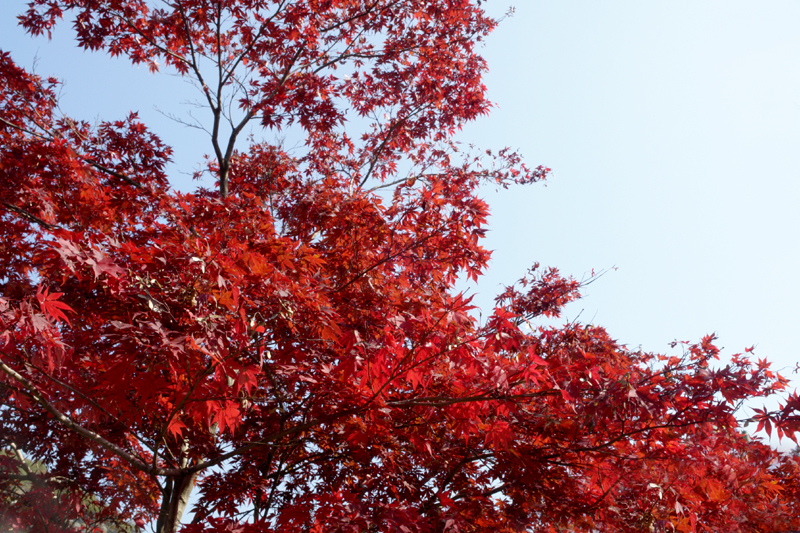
<point x="290" y="348"/>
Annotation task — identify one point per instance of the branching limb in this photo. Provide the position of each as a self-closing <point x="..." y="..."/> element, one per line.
<point x="67" y="422"/>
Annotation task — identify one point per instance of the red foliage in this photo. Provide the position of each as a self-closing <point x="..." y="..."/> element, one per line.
<point x="291" y="346"/>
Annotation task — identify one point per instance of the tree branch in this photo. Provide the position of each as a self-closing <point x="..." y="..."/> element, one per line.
<point x="24" y="214"/>
<point x="67" y="422"/>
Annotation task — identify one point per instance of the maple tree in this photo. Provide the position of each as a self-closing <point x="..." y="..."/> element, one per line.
<point x="290" y="347"/>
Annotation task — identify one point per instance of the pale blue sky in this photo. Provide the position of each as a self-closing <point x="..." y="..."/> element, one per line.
<point x="673" y="132"/>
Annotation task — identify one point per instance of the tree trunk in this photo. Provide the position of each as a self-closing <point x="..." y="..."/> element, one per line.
<point x="224" y="170"/>
<point x="174" y="499"/>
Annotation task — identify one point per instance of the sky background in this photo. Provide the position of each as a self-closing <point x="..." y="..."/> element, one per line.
<point x="673" y="132"/>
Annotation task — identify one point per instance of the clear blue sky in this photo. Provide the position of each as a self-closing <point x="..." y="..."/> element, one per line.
<point x="673" y="132"/>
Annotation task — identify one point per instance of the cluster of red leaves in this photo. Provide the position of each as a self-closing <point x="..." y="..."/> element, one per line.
<point x="294" y="345"/>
